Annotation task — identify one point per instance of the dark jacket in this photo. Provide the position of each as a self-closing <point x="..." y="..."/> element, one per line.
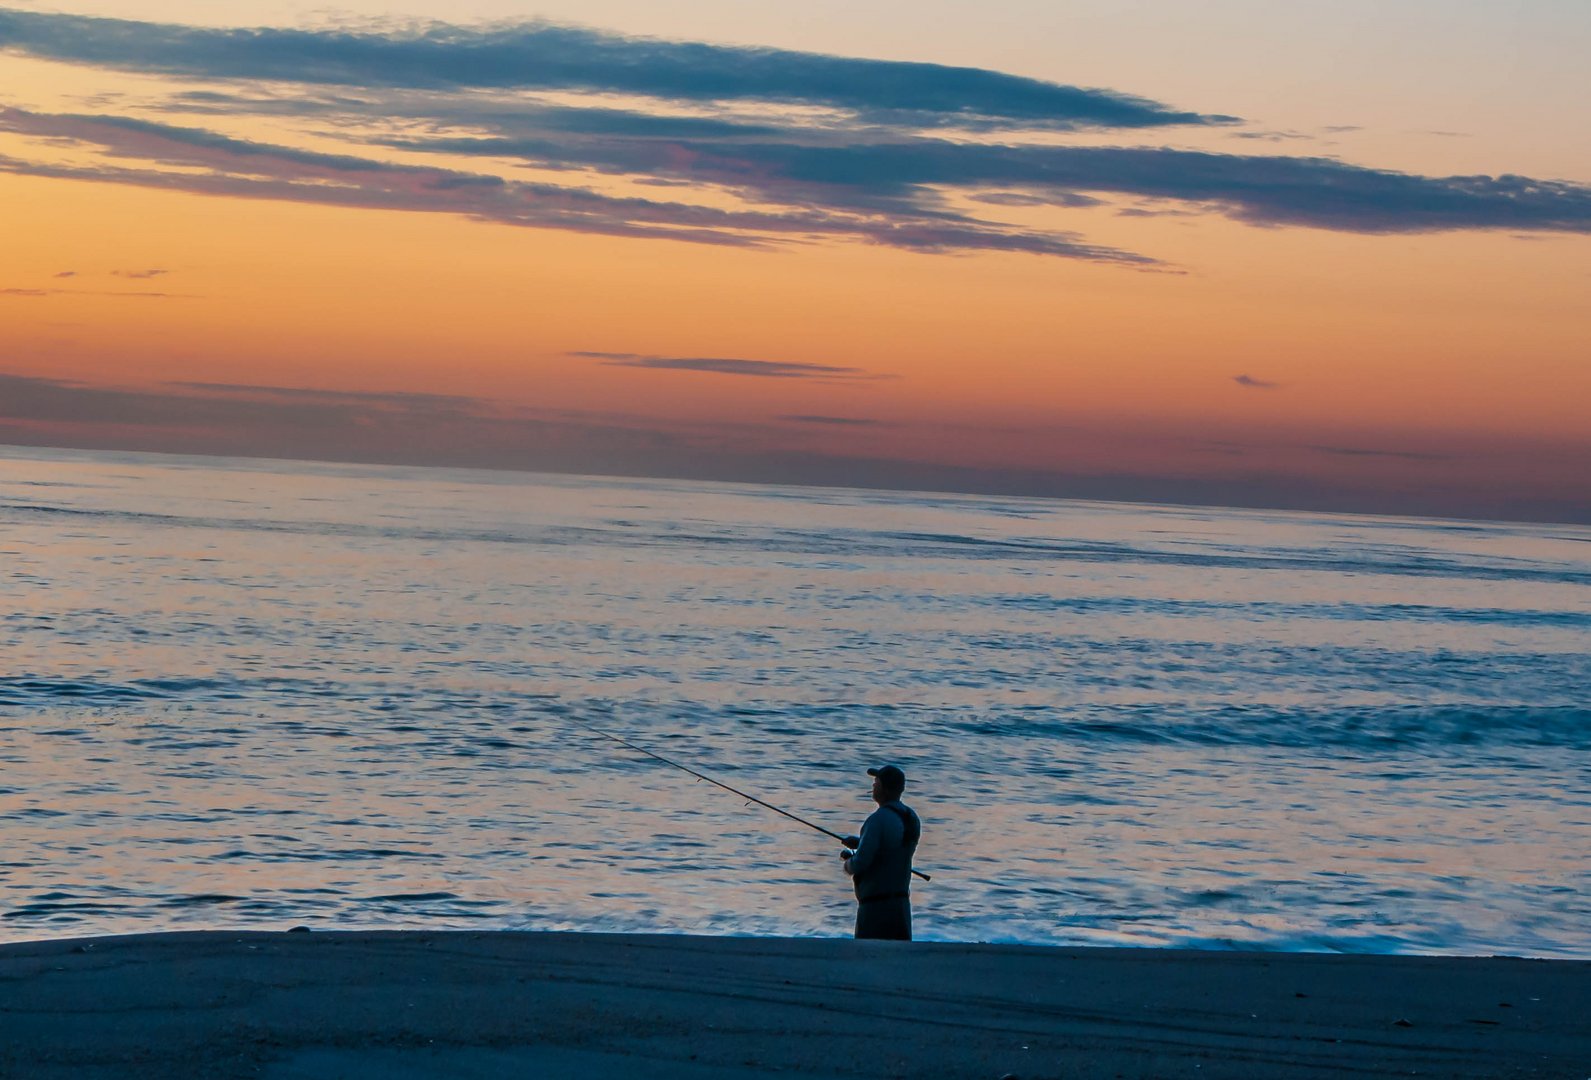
<point x="882" y="865"/>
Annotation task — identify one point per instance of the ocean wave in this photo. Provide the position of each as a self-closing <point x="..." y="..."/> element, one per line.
<point x="1374" y="729"/>
<point x="860" y="544"/>
<point x="1263" y="610"/>
<point x="29" y="691"/>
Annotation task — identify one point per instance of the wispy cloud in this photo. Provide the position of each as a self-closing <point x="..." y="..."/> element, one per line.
<point x="247" y="169"/>
<point x="232" y="418"/>
<point x="390" y="426"/>
<point x="1235" y="449"/>
<point x="36" y="400"/>
<point x="1255" y="384"/>
<point x="833" y="421"/>
<point x="1268" y="136"/>
<point x="139" y="275"/>
<point x="1362" y="452"/>
<point x="450" y="402"/>
<point x="761" y="369"/>
<point x="1026" y="199"/>
<point x="129" y="293"/>
<point x="761" y="147"/>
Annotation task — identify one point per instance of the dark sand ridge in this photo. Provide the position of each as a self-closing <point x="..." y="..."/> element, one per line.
<point x="404" y="1005"/>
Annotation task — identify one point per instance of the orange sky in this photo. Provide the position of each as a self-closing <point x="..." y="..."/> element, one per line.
<point x="1257" y="355"/>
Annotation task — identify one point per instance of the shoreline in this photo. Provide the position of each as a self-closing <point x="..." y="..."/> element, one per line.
<point x="414" y="1003"/>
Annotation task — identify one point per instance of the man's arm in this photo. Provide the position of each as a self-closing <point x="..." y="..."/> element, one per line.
<point x="867" y="851"/>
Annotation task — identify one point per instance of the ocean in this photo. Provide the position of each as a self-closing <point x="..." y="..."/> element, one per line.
<point x="269" y="694"/>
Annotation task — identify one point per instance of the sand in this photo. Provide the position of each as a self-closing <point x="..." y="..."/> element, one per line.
<point x="404" y="1005"/>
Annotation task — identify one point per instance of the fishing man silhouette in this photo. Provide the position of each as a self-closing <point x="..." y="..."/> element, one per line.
<point x="880" y="860"/>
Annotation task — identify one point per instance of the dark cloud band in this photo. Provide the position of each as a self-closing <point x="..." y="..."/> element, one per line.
<point x="831" y="421"/>
<point x="246" y="169"/>
<point x="538" y="56"/>
<point x="423" y="428"/>
<point x="1265" y="190"/>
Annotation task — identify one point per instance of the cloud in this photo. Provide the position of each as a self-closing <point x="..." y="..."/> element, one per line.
<point x="544" y="57"/>
<point x="246" y="169"/>
<point x="903" y="173"/>
<point x="1163" y="212"/>
<point x="133" y="294"/>
<point x="1359" y="452"/>
<point x="276" y="421"/>
<point x="403" y="399"/>
<point x="1268" y="136"/>
<point x="36" y="400"/>
<point x="1235" y="449"/>
<point x="1018" y="198"/>
<point x="138" y="274"/>
<point x="65" y="274"/>
<point x="396" y="427"/>
<point x="763" y="147"/>
<point x="1255" y="384"/>
<point x="833" y="421"/>
<point x="763" y="369"/>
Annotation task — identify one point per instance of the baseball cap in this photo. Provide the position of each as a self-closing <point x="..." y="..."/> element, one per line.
<point x="890" y="775"/>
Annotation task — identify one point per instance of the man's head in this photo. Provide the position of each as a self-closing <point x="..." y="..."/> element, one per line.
<point x="888" y="783"/>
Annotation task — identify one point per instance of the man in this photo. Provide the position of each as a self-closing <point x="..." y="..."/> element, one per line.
<point x="881" y="864"/>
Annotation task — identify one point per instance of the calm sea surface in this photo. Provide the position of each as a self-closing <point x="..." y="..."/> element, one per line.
<point x="270" y="694"/>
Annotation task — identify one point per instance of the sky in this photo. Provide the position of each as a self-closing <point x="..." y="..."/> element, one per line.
<point x="1327" y="257"/>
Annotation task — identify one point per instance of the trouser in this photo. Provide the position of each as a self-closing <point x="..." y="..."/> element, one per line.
<point x="887" y="917"/>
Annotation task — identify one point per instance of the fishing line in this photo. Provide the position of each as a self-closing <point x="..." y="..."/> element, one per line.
<point x="716" y="783"/>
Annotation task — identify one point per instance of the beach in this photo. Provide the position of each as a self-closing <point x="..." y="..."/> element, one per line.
<point x="408" y="1004"/>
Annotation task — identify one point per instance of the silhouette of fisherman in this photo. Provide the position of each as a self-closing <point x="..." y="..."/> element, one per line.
<point x="880" y="865"/>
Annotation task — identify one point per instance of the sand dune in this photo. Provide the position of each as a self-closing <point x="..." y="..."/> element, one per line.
<point x="402" y="1005"/>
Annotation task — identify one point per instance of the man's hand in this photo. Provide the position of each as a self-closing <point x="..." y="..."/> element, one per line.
<point x="846" y="854"/>
<point x="852" y="841"/>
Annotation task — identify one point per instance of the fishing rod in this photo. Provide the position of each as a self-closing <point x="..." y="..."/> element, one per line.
<point x="717" y="783"/>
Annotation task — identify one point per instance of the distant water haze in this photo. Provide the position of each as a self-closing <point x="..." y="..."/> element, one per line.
<point x="254" y="693"/>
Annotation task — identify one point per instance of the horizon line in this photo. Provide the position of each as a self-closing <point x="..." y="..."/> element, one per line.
<point x="1258" y="506"/>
